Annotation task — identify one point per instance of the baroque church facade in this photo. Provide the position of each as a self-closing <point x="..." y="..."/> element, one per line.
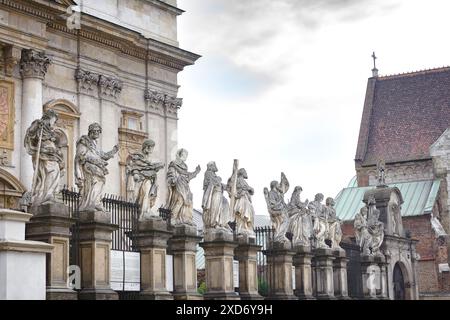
<point x="115" y="63"/>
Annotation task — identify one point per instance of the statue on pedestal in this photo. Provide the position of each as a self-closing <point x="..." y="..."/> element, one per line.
<point x="42" y="143"/>
<point x="277" y="208"/>
<point x="179" y="198"/>
<point x="300" y="225"/>
<point x="244" y="212"/>
<point x="90" y="169"/>
<point x="334" y="224"/>
<point x="141" y="180"/>
<point x="216" y="209"/>
<point x="369" y="231"/>
<point x="320" y="221"/>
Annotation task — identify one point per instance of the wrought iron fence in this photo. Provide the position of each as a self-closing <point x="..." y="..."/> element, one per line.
<point x="354" y="280"/>
<point x="72" y="199"/>
<point x="264" y="236"/>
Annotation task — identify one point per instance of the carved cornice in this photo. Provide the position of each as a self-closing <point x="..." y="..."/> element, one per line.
<point x="162" y="102"/>
<point x="34" y="64"/>
<point x="19" y="6"/>
<point x="108" y="86"/>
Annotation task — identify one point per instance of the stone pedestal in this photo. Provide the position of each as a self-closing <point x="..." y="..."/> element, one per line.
<point x="323" y="273"/>
<point x="370" y="278"/>
<point x="51" y="223"/>
<point x="95" y="234"/>
<point x="382" y="293"/>
<point x="303" y="273"/>
<point x="183" y="247"/>
<point x="279" y="260"/>
<point x="151" y="239"/>
<point x="219" y="254"/>
<point x="246" y="253"/>
<point x="22" y="262"/>
<point x="340" y="275"/>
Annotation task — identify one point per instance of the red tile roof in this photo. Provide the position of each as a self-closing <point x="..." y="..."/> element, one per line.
<point x="404" y="115"/>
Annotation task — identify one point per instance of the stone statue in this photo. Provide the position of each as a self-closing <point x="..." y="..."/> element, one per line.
<point x="381" y="168"/>
<point x="320" y="221"/>
<point x="179" y="198"/>
<point x="141" y="180"/>
<point x="300" y="225"/>
<point x="216" y="209"/>
<point x="90" y="169"/>
<point x="244" y="213"/>
<point x="277" y="208"/>
<point x="369" y="231"/>
<point x="42" y="143"/>
<point x="334" y="224"/>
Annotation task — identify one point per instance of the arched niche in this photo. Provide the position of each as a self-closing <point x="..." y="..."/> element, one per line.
<point x="67" y="128"/>
<point x="11" y="190"/>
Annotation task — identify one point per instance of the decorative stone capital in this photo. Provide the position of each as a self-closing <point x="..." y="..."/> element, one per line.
<point x="162" y="102"/>
<point x="172" y="105"/>
<point x="87" y="80"/>
<point x="34" y="64"/>
<point x="110" y="86"/>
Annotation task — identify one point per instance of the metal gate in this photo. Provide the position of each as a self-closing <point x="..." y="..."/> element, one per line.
<point x="264" y="236"/>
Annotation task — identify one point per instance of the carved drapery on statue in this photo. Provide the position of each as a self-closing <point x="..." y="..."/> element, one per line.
<point x="41" y="142"/>
<point x="334" y="224"/>
<point x="142" y="180"/>
<point x="216" y="209"/>
<point x="300" y="225"/>
<point x="179" y="198"/>
<point x="243" y="210"/>
<point x="369" y="231"/>
<point x="320" y="223"/>
<point x="90" y="169"/>
<point x="277" y="208"/>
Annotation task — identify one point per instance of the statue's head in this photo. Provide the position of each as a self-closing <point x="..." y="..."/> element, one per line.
<point x="242" y="173"/>
<point x="274" y="185"/>
<point x="50" y="116"/>
<point x="319" y="197"/>
<point x="94" y="130"/>
<point x="148" y="146"/>
<point x="298" y="189"/>
<point x="371" y="201"/>
<point x="330" y="202"/>
<point x="211" y="166"/>
<point x="182" y="154"/>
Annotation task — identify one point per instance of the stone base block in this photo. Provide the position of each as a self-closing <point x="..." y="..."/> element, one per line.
<point x="187" y="296"/>
<point x="155" y="296"/>
<point x="61" y="294"/>
<point x="222" y="296"/>
<point x="98" y="294"/>
<point x="53" y="209"/>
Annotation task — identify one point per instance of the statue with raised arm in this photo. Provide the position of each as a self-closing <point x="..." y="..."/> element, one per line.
<point x="277" y="208"/>
<point x="369" y="231"/>
<point x="300" y="225"/>
<point x="42" y="143"/>
<point x="244" y="213"/>
<point x="320" y="221"/>
<point x="216" y="209"/>
<point x="179" y="198"/>
<point x="91" y="169"/>
<point x="141" y="180"/>
<point x="334" y="224"/>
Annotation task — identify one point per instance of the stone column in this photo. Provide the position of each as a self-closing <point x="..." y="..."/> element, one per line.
<point x="219" y="254"/>
<point x="303" y="273"/>
<point x="279" y="260"/>
<point x="151" y="239"/>
<point x="33" y="67"/>
<point x="246" y="253"/>
<point x="383" y="278"/>
<point x="51" y="223"/>
<point x="95" y="234"/>
<point x="340" y="275"/>
<point x="22" y="262"/>
<point x="323" y="270"/>
<point x="369" y="277"/>
<point x="183" y="246"/>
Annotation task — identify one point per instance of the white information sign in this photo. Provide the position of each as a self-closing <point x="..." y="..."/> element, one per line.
<point x="116" y="273"/>
<point x="236" y="273"/>
<point x="293" y="277"/>
<point x="125" y="272"/>
<point x="169" y="272"/>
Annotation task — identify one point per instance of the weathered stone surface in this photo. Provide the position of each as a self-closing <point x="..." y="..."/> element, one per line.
<point x="303" y="272"/>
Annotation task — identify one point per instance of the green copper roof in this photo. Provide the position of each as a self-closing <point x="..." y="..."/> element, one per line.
<point x="419" y="197"/>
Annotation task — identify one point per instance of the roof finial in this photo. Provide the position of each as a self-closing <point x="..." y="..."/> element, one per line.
<point x="374" y="70"/>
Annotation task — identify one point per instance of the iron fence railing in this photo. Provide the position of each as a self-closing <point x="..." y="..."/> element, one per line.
<point x="264" y="237"/>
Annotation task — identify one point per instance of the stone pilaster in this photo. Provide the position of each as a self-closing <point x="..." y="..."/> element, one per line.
<point x="246" y="253"/>
<point x="382" y="263"/>
<point x="51" y="224"/>
<point x="219" y="254"/>
<point x="95" y="235"/>
<point x="323" y="272"/>
<point x="151" y="239"/>
<point x="303" y="273"/>
<point x="183" y="247"/>
<point x="369" y="277"/>
<point x="279" y="260"/>
<point x="340" y="274"/>
<point x="33" y="68"/>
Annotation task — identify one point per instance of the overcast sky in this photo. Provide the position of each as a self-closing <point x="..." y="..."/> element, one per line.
<point x="281" y="83"/>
